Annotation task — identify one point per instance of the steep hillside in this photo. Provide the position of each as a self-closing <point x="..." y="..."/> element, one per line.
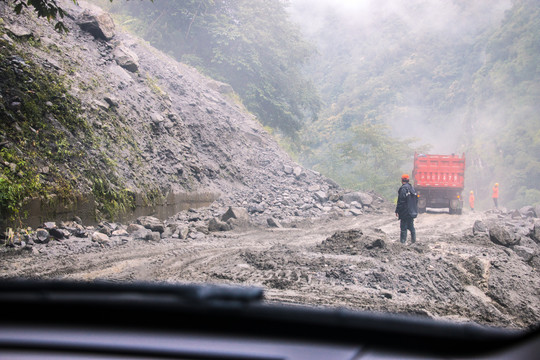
<point x="109" y="118"/>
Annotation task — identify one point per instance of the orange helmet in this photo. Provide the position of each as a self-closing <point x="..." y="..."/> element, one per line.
<point x="497" y="184"/>
<point x="405" y="177"/>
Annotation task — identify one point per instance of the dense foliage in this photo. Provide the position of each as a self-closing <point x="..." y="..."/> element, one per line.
<point x="250" y="44"/>
<point x="48" y="9"/>
<point x="504" y="107"/>
<point x="459" y="76"/>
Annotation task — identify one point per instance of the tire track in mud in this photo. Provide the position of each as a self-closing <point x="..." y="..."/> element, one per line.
<point x="447" y="274"/>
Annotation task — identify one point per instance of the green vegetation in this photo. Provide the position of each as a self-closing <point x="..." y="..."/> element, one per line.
<point x="40" y="121"/>
<point x="464" y="79"/>
<point x="153" y="85"/>
<point x="18" y="181"/>
<point x="112" y="202"/>
<point x="42" y="127"/>
<point x="47" y="9"/>
<point x="505" y="133"/>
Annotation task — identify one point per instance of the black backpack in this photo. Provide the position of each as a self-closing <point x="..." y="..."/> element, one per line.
<point x="412" y="201"/>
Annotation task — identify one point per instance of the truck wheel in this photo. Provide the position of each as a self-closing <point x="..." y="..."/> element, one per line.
<point x="451" y="211"/>
<point x="459" y="211"/>
<point x="421" y="210"/>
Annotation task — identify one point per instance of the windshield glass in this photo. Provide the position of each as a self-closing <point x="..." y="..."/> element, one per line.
<point x="373" y="155"/>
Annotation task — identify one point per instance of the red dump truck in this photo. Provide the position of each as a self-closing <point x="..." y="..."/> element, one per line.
<point x="439" y="181"/>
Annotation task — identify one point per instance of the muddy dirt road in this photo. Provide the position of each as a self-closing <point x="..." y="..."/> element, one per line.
<point x="354" y="262"/>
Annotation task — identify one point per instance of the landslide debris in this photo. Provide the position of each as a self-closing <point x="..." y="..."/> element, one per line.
<point x="161" y="127"/>
<point x="152" y="127"/>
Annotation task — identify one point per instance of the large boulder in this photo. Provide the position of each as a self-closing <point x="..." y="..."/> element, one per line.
<point x="141" y="234"/>
<point x="358" y="196"/>
<point x="151" y="223"/>
<point x="273" y="223"/>
<point x="535" y="232"/>
<point x="42" y="236"/>
<point x="527" y="211"/>
<point x="99" y="24"/>
<point x="524" y="252"/>
<point x="321" y="196"/>
<point x="218" y="225"/>
<point x="238" y="213"/>
<point x="479" y="227"/>
<point x="100" y="238"/>
<point x="19" y="31"/>
<point x="501" y="236"/>
<point x="126" y="58"/>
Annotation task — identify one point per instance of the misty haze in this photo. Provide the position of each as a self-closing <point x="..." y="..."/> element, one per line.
<point x="263" y="143"/>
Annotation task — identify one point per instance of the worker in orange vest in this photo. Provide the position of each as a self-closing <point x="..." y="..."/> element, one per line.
<point x="471" y="200"/>
<point x="495" y="195"/>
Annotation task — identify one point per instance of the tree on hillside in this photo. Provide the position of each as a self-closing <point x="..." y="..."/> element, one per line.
<point x="250" y="44"/>
<point x="48" y="9"/>
<point x="504" y="122"/>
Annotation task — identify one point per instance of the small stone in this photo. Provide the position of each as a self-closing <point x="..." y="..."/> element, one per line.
<point x="356" y="212"/>
<point x="151" y="223"/>
<point x="7" y="38"/>
<point x="183" y="232"/>
<point x="273" y="223"/>
<point x="524" y="252"/>
<point x="100" y="238"/>
<point x="112" y="101"/>
<point x="376" y="244"/>
<point x="321" y="196"/>
<point x="287" y="169"/>
<point x="314" y="187"/>
<point x="134" y="227"/>
<point x="49" y="225"/>
<point x="59" y="234"/>
<point x="42" y="236"/>
<point x="153" y="236"/>
<point x="120" y="232"/>
<point x="479" y="227"/>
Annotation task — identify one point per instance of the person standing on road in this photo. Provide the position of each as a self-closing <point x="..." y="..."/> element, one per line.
<point x="495" y="195"/>
<point x="407" y="209"/>
<point x="471" y="200"/>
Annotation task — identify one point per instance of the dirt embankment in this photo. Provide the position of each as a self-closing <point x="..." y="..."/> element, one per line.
<point x="353" y="262"/>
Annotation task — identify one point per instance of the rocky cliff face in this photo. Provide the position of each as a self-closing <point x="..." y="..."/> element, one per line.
<point x="153" y="126"/>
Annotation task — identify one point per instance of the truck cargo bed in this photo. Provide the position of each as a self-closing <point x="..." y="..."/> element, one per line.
<point x="439" y="181"/>
<point x="439" y="171"/>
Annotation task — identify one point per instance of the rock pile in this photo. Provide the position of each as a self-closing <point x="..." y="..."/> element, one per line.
<point x="517" y="230"/>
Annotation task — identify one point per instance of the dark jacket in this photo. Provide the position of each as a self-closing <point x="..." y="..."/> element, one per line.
<point x="407" y="202"/>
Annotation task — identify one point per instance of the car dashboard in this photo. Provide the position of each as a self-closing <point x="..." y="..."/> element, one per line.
<point x="100" y="320"/>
